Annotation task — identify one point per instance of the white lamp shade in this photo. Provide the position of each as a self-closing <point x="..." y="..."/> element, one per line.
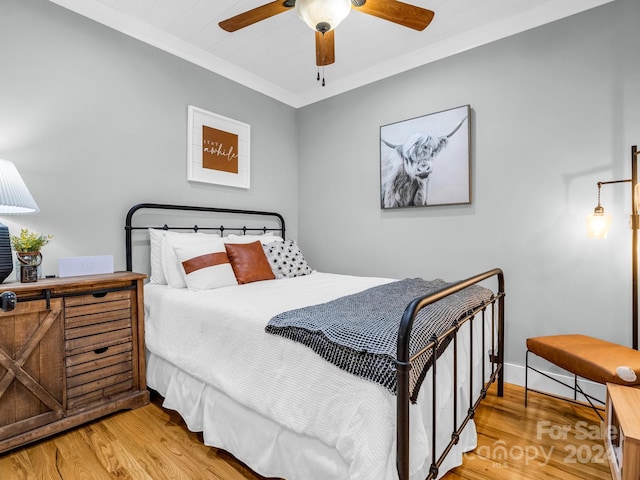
<point x="598" y="225"/>
<point x="317" y="12"/>
<point x="15" y="198"/>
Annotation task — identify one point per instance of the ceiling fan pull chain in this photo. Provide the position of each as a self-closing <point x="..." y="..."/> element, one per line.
<point x="323" y="75"/>
<point x="318" y="78"/>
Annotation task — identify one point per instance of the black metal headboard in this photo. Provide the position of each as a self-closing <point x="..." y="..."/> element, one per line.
<point x="129" y="226"/>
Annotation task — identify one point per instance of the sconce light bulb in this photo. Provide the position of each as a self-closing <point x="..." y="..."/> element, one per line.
<point x="598" y="223"/>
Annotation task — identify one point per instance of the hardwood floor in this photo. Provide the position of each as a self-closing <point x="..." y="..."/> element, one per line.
<point x="550" y="439"/>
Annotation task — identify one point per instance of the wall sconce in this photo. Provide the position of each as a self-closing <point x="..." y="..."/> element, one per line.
<point x="15" y="199"/>
<point x="598" y="222"/>
<point x="598" y="226"/>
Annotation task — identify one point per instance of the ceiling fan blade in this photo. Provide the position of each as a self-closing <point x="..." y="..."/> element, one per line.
<point x="398" y="12"/>
<point x="254" y="15"/>
<point x="325" y="51"/>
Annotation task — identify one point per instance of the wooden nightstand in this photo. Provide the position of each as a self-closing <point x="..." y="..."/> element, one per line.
<point x="71" y="351"/>
<point x="622" y="435"/>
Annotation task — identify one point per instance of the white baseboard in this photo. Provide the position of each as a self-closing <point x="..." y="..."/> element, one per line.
<point x="515" y="374"/>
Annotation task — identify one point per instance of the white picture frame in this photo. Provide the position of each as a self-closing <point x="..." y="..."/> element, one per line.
<point x="218" y="149"/>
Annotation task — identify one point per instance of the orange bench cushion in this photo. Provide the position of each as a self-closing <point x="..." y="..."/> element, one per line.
<point x="587" y="357"/>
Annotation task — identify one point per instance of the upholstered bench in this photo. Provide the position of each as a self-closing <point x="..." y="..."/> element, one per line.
<point x="586" y="357"/>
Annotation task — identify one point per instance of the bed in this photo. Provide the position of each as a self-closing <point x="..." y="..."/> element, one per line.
<point x="276" y="404"/>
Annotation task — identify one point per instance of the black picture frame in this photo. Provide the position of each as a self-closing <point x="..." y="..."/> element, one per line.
<point x="426" y="161"/>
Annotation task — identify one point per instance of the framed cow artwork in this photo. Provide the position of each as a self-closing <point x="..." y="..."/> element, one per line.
<point x="426" y="161"/>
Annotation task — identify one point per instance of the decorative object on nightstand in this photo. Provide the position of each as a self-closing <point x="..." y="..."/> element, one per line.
<point x="598" y="225"/>
<point x="15" y="199"/>
<point x="27" y="247"/>
<point x="85" y="265"/>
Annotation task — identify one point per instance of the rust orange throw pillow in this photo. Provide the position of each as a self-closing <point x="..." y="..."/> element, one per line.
<point x="249" y="262"/>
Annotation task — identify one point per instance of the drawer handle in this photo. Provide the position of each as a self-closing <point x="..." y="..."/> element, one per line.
<point x="100" y="294"/>
<point x="99" y="351"/>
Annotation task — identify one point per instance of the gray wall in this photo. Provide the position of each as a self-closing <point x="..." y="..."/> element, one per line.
<point x="554" y="110"/>
<point x="96" y="122"/>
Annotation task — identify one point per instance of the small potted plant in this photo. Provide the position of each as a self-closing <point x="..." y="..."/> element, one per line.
<point x="27" y="246"/>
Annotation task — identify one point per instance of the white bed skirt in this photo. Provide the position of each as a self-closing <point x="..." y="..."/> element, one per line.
<point x="265" y="446"/>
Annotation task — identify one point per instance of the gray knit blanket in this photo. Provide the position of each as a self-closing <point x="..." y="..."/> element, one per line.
<point x="359" y="332"/>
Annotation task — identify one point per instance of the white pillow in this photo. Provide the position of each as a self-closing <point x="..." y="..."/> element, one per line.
<point x="205" y="265"/>
<point x="155" y="256"/>
<point x="264" y="238"/>
<point x="173" y="271"/>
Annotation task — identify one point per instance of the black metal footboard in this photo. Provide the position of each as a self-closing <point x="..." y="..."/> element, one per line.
<point x="404" y="361"/>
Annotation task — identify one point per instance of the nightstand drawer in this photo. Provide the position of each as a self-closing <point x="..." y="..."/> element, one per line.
<point x="98" y="308"/>
<point x="99" y="374"/>
<point x="99" y="320"/>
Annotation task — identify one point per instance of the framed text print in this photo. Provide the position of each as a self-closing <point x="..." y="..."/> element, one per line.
<point x="426" y="160"/>
<point x="218" y="150"/>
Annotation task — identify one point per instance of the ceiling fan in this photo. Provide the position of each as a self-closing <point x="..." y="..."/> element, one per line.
<point x="323" y="16"/>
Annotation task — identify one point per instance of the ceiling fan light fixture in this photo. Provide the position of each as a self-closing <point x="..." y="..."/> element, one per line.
<point x="323" y="15"/>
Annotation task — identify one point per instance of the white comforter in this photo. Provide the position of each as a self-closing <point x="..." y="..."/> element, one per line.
<point x="218" y="337"/>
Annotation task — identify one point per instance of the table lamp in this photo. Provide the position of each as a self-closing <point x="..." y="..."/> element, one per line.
<point x="15" y="199"/>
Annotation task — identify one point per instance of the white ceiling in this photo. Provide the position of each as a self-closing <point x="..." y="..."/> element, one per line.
<point x="277" y="56"/>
